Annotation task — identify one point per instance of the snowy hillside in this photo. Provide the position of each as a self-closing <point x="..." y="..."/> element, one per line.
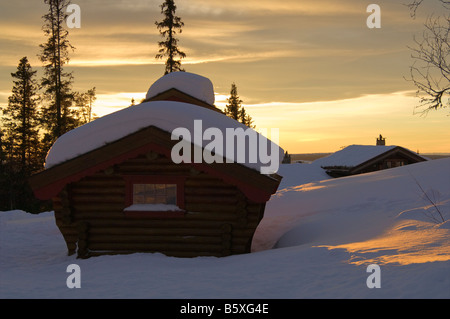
<point x="325" y="231"/>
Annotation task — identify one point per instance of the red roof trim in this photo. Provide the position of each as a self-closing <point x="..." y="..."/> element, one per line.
<point x="255" y="194"/>
<point x="54" y="188"/>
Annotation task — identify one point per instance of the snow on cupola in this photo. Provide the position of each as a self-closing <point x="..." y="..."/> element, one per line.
<point x="191" y="84"/>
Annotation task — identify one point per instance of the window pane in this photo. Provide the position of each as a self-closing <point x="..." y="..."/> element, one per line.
<point x="160" y="189"/>
<point x="171" y="194"/>
<point x="138" y="194"/>
<point x="155" y="194"/>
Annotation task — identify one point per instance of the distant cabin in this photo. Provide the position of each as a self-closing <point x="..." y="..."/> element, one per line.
<point x="116" y="189"/>
<point x="358" y="159"/>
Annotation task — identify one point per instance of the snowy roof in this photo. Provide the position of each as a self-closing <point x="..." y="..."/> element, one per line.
<point x="192" y="84"/>
<point x="353" y="155"/>
<point x="166" y="115"/>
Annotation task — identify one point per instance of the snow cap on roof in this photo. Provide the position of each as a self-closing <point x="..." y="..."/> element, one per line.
<point x="167" y="116"/>
<point x="192" y="84"/>
<point x="353" y="155"/>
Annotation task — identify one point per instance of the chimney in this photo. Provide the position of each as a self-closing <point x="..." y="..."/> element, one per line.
<point x="381" y="141"/>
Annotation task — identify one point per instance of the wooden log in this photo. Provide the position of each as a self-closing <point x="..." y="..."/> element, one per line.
<point x="225" y="217"/>
<point x="210" y="199"/>
<point x="226" y="252"/>
<point x="118" y="183"/>
<point x="240" y="249"/>
<point x="69" y="238"/>
<point x="99" y="215"/>
<point x="143" y="239"/>
<point x="204" y="183"/>
<point x="94" y="207"/>
<point x="184" y="254"/>
<point x="209" y="207"/>
<point x="155" y="247"/>
<point x="155" y="223"/>
<point x="244" y="233"/>
<point x="240" y="241"/>
<point x="161" y="169"/>
<point x="95" y="198"/>
<point x="66" y="209"/>
<point x="188" y="254"/>
<point x="120" y="191"/>
<point x="117" y="223"/>
<point x="143" y="231"/>
<point x="210" y="191"/>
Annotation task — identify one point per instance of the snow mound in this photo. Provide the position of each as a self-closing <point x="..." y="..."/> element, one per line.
<point x="326" y="238"/>
<point x="192" y="84"/>
<point x="378" y="211"/>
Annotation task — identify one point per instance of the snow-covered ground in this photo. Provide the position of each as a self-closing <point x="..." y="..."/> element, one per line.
<point x="316" y="241"/>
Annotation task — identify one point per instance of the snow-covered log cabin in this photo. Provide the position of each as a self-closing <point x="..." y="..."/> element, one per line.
<point x="116" y="188"/>
<point x="359" y="159"/>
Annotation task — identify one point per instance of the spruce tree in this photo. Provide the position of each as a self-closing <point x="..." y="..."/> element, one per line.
<point x="21" y="154"/>
<point x="21" y="120"/>
<point x="235" y="110"/>
<point x="168" y="28"/>
<point x="58" y="117"/>
<point x="246" y="119"/>
<point x="234" y="105"/>
<point x="84" y="102"/>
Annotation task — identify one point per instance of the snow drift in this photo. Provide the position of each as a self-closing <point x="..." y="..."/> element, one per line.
<point x="325" y="231"/>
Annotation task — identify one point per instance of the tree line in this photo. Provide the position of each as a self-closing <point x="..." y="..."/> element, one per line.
<point x="41" y="110"/>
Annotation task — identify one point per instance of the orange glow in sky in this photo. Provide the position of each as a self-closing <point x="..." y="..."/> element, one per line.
<point x="313" y="69"/>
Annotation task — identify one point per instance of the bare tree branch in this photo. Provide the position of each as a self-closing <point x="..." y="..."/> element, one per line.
<point x="415" y="4"/>
<point x="430" y="71"/>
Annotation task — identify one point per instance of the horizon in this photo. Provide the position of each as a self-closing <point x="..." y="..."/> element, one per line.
<point x="313" y="69"/>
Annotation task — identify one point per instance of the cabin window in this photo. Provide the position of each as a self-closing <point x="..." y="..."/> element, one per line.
<point x="154" y="196"/>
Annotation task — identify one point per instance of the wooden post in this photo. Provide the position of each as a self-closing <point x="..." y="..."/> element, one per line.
<point x="226" y="239"/>
<point x="241" y="209"/>
<point x="66" y="212"/>
<point x="83" y="239"/>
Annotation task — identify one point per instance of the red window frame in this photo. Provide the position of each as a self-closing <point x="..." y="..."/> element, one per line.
<point x="130" y="180"/>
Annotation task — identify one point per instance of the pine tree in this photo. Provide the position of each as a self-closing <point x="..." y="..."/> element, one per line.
<point x="20" y="118"/>
<point x="58" y="117"/>
<point x="21" y="154"/>
<point x="85" y="101"/>
<point x="246" y="119"/>
<point x="168" y="29"/>
<point x="4" y="182"/>
<point x="235" y="110"/>
<point x="234" y="105"/>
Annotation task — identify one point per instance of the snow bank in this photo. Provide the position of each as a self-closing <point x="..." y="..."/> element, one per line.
<point x="355" y="208"/>
<point x="326" y="231"/>
<point x="192" y="84"/>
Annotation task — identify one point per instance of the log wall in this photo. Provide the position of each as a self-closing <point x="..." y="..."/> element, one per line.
<point x="219" y="219"/>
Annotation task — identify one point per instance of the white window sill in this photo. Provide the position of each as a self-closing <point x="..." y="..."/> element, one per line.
<point x="153" y="208"/>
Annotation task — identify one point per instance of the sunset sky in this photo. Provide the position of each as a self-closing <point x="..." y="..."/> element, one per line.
<point x="313" y="69"/>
